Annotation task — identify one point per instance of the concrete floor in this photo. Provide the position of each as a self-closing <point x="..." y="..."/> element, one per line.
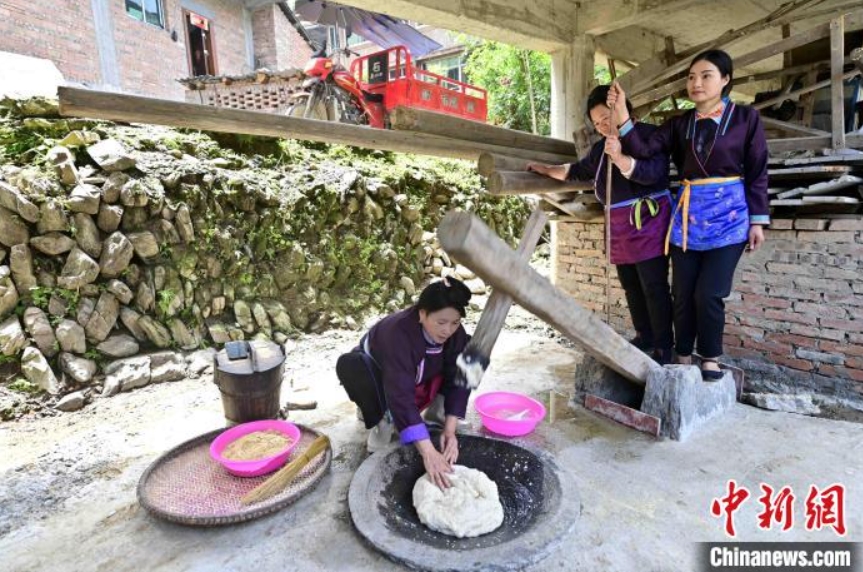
<point x="645" y="502"/>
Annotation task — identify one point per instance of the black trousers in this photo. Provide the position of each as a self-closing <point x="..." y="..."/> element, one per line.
<point x="649" y="298"/>
<point x="360" y="376"/>
<point x="700" y="282"/>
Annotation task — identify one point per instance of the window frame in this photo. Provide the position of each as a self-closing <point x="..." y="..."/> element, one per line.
<point x="162" y="25"/>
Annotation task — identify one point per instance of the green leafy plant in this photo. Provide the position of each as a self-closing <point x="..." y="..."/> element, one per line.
<point x="21" y="385"/>
<point x="166" y="299"/>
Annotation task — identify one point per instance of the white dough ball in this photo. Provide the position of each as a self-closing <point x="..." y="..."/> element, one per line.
<point x="470" y="507"/>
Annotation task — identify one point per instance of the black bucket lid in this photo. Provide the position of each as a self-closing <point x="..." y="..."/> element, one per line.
<point x="242" y="357"/>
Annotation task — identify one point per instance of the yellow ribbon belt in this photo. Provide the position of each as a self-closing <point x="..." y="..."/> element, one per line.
<point x="683" y="201"/>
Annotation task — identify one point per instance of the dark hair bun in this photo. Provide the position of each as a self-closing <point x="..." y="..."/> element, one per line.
<point x="446" y="293"/>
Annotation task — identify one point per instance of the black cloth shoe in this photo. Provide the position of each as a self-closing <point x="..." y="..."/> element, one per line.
<point x="709" y="374"/>
<point x="663" y="357"/>
<point x="644" y="345"/>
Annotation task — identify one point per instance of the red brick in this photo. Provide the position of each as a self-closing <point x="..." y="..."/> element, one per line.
<point x="810" y="224"/>
<point x="855" y="374"/>
<point x="827" y="237"/>
<point x="794" y="293"/>
<point x="794" y="269"/>
<point x="780" y="224"/>
<point x="847" y="224"/>
<point x="730" y="341"/>
<point x="794" y="363"/>
<point x="845" y="325"/>
<point x="744" y="331"/>
<point x="854" y="362"/>
<point x="781" y="349"/>
<point x="785" y="316"/>
<point x="767" y="301"/>
<point x="830" y="334"/>
<point x="744" y="353"/>
<point x="799" y="341"/>
<point x="830" y="371"/>
<point x="750" y="288"/>
<point x="822" y="284"/>
<point x="847" y="349"/>
<point x="820" y="310"/>
<point x="839" y="274"/>
<point x="855" y="300"/>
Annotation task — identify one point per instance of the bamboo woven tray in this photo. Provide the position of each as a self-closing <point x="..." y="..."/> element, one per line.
<point x="186" y="486"/>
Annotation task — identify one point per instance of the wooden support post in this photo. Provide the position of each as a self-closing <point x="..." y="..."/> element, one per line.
<point x="442" y="125"/>
<point x="131" y="108"/>
<point x="837" y="88"/>
<point x="472" y="243"/>
<point x="808" y="100"/>
<point x="493" y="316"/>
<point x="526" y="183"/>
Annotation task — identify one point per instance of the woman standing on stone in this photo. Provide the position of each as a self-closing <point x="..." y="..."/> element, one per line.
<point x="640" y="214"/>
<point x="720" y="151"/>
<point x="402" y="364"/>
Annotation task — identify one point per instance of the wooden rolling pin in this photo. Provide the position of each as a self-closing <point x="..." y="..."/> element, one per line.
<point x="283" y="476"/>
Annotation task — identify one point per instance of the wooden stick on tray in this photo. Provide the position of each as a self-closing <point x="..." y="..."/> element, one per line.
<point x="283" y="476"/>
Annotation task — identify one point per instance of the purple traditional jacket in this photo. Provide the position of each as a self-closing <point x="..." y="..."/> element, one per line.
<point x="736" y="146"/>
<point x="641" y="208"/>
<point x="414" y="369"/>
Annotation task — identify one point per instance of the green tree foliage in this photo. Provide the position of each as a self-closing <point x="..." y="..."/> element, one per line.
<point x="502" y="70"/>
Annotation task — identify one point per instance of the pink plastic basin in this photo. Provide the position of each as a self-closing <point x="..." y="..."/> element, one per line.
<point x="261" y="466"/>
<point x="507" y="413"/>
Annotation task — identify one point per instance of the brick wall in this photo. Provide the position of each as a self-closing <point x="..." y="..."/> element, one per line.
<point x="278" y="46"/>
<point x="148" y="59"/>
<point x="58" y="31"/>
<point x="794" y="318"/>
<point x="799" y="303"/>
<point x="579" y="267"/>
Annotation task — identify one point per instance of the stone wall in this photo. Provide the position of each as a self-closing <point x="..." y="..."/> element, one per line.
<point x="794" y="319"/>
<point x="118" y="241"/>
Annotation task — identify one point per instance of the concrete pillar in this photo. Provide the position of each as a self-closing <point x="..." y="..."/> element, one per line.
<point x="104" y="30"/>
<point x="571" y="81"/>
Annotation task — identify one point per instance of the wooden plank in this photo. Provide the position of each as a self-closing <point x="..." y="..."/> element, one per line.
<point x="842" y="182"/>
<point x="830" y="201"/>
<point x="853" y="22"/>
<point x="807" y="101"/>
<point x="837" y="89"/>
<point x="791" y="127"/>
<point x="527" y="183"/>
<point x="443" y="125"/>
<point x="76" y="102"/>
<point x="488" y="163"/>
<point x="808" y="170"/>
<point x="802" y="90"/>
<point x="624" y="415"/>
<point x="786" y="203"/>
<point x="855" y="159"/>
<point x="810" y="143"/>
<point x="471" y="242"/>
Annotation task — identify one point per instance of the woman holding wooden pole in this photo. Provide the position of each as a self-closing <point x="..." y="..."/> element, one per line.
<point x="639" y="214"/>
<point x="721" y="153"/>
